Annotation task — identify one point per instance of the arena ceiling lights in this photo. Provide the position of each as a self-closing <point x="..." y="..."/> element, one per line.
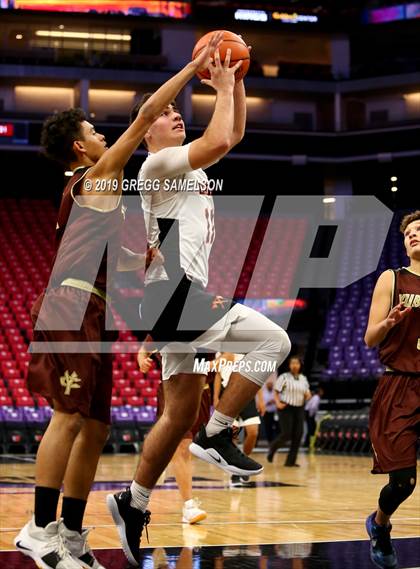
<point x="276" y="16"/>
<point x="82" y="35"/>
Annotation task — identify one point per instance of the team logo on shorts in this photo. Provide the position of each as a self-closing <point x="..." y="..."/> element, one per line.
<point x="70" y="381"/>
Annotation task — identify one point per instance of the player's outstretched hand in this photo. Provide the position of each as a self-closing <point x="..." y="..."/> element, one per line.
<point x="222" y="76"/>
<point x="202" y="61"/>
<point x="397" y="314"/>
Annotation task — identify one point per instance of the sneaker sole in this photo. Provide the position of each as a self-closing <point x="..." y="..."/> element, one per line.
<point x="372" y="558"/>
<point x="200" y="452"/>
<point x="195" y="520"/>
<point x="87" y="566"/>
<point x="120" y="523"/>
<point x="29" y="553"/>
<point x="35" y="558"/>
<point x="235" y="484"/>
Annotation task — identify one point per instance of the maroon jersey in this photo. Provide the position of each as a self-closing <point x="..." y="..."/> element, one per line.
<point x="87" y="241"/>
<point x="400" y="350"/>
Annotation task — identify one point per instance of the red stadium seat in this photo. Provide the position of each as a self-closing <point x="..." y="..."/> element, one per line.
<point x="128" y="392"/>
<point x="9" y="374"/>
<point x="141" y="383"/>
<point x="10" y="364"/>
<point x="135" y="401"/>
<point x="4" y="355"/>
<point x="135" y="374"/>
<point x="152" y="401"/>
<point x="123" y="357"/>
<point x="116" y="401"/>
<point x="16" y="383"/>
<point x="23" y="356"/>
<point x="149" y="392"/>
<point x="42" y="402"/>
<point x="121" y="383"/>
<point x="20" y="392"/>
<point x="25" y="402"/>
<point x="5" y="401"/>
<point x="154" y="374"/>
<point x="130" y="366"/>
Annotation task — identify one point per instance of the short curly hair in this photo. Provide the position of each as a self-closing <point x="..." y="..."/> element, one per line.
<point x="59" y="132"/>
<point x="407" y="219"/>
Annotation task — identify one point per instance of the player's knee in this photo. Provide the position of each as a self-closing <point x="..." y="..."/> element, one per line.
<point x="180" y="422"/>
<point x="70" y="423"/>
<point x="401" y="486"/>
<point x="279" y="345"/>
<point x="100" y="434"/>
<point x="403" y="481"/>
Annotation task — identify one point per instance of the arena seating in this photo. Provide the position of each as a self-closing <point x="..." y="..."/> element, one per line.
<point x="344" y="432"/>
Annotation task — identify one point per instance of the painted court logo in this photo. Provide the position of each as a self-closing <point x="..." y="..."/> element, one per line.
<point x="70" y="381"/>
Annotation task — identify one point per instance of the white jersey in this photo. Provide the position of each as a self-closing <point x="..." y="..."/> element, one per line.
<point x="171" y="189"/>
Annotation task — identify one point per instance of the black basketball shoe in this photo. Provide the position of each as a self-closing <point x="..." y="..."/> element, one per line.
<point x="221" y="451"/>
<point x="130" y="523"/>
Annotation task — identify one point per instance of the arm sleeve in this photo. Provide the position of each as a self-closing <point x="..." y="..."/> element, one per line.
<point x="167" y="163"/>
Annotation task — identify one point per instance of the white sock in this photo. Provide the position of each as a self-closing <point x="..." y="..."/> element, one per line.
<point x="218" y="422"/>
<point x="140" y="496"/>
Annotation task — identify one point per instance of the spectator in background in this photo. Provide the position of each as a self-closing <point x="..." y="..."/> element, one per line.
<point x="266" y="405"/>
<point x="291" y="392"/>
<point x="311" y="410"/>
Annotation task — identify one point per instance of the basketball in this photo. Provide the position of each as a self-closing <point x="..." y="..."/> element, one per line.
<point x="239" y="51"/>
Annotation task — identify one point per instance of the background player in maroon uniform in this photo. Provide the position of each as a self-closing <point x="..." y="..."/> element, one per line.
<point x="79" y="385"/>
<point x="394" y="326"/>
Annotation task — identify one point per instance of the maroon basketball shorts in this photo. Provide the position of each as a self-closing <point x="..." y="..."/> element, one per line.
<point x="394" y="422"/>
<point x="72" y="382"/>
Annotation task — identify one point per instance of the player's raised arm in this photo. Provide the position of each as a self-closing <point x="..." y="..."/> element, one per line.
<point x="110" y="165"/>
<point x="239" y="116"/>
<point x="217" y="138"/>
<point x="382" y="316"/>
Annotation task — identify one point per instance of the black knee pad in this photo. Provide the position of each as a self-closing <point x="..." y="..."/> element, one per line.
<point x="401" y="486"/>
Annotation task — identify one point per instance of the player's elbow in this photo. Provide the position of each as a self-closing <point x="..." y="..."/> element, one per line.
<point x="236" y="138"/>
<point x="221" y="146"/>
<point x="369" y="341"/>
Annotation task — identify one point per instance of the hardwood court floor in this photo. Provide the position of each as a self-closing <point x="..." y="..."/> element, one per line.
<point x="325" y="500"/>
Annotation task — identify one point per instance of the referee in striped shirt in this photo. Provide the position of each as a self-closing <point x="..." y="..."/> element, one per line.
<point x="291" y="393"/>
